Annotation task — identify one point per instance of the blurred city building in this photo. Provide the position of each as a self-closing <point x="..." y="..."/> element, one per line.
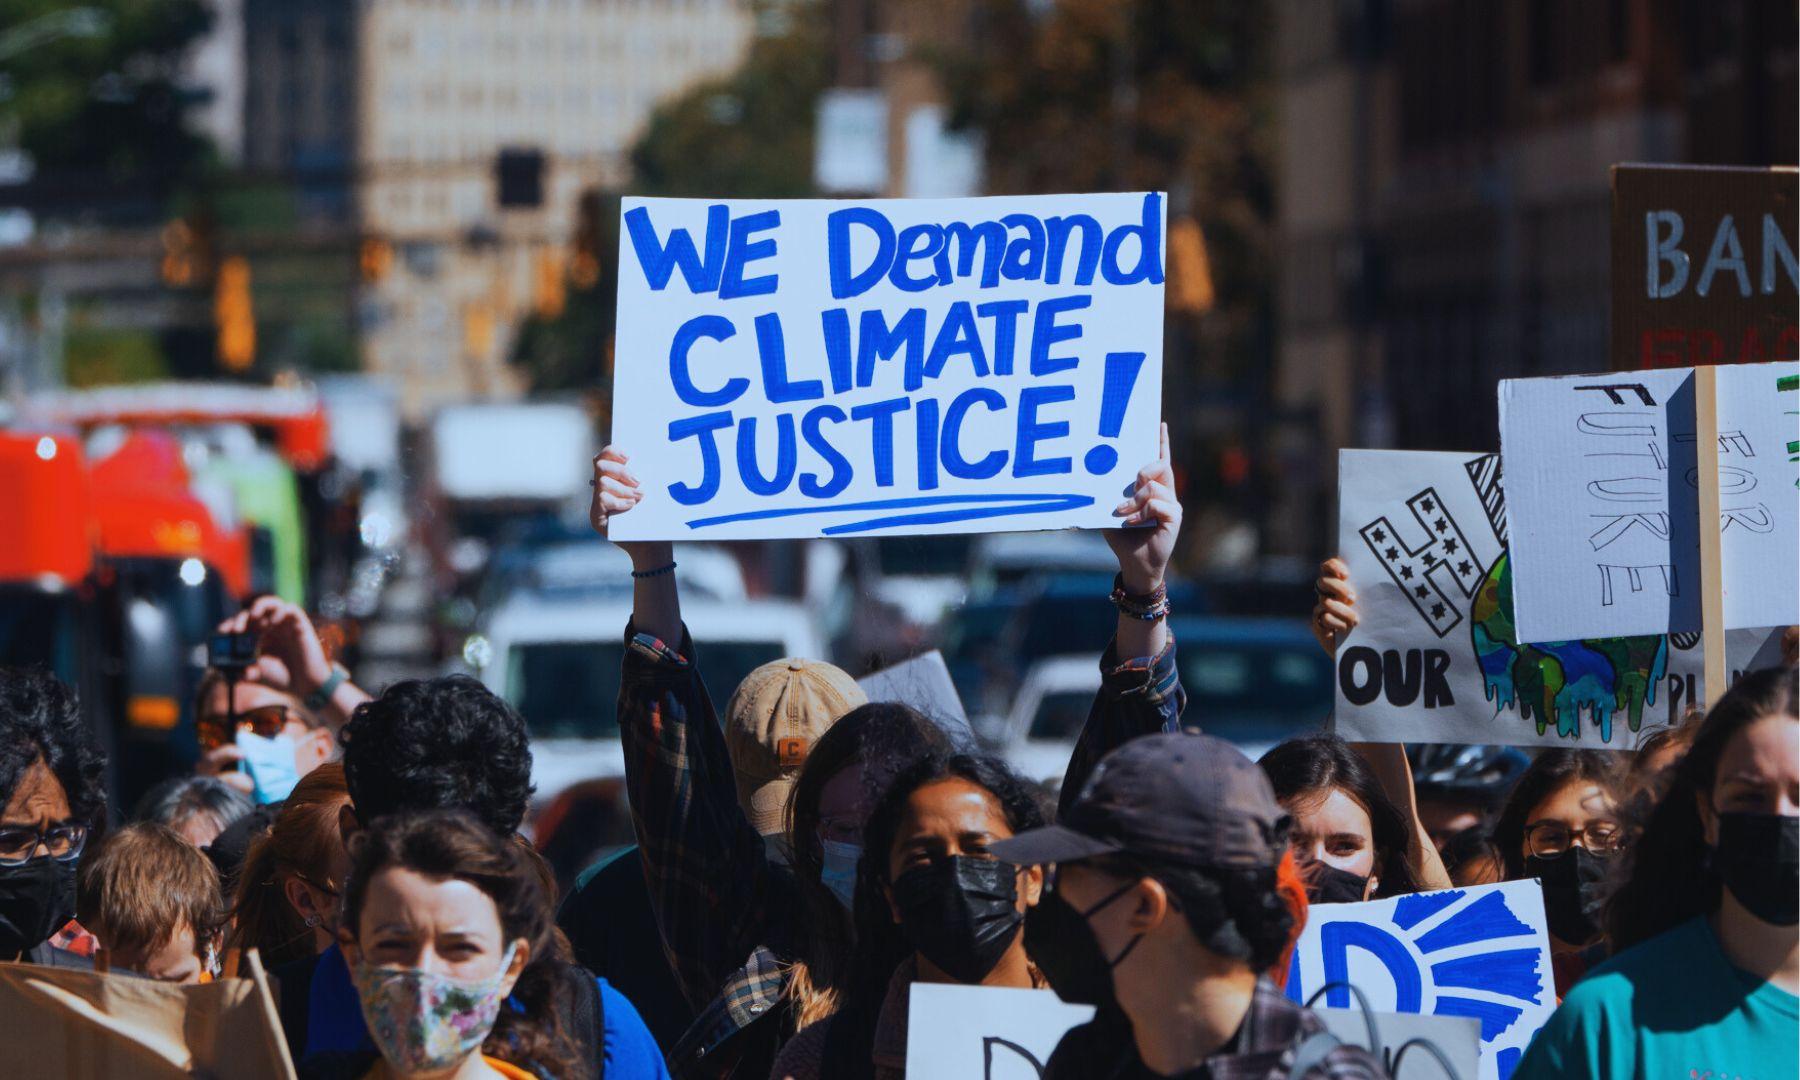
<point x="1444" y="200"/>
<point x="478" y="125"/>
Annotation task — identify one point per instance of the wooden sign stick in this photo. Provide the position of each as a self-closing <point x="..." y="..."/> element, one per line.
<point x="1712" y="577"/>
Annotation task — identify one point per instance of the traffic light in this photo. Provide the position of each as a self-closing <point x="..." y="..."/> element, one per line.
<point x="584" y="260"/>
<point x="548" y="298"/>
<point x="232" y="315"/>
<point x="375" y="258"/>
<point x="519" y="174"/>
<point x="1190" y="283"/>
<point x="187" y="257"/>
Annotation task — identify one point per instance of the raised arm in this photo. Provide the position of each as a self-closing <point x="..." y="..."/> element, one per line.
<point x="1140" y="688"/>
<point x="678" y="774"/>
<point x="1333" y="617"/>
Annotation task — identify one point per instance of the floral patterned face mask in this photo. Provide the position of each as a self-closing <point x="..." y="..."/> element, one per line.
<point x="425" y="1022"/>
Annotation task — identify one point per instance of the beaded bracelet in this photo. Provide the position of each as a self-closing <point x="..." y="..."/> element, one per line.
<point x="658" y="572"/>
<point x="1148" y="608"/>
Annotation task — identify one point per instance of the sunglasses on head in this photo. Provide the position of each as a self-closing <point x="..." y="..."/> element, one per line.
<point x="215" y="730"/>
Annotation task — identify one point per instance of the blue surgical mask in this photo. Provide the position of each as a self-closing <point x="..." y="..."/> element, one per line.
<point x="270" y="763"/>
<point x="839" y="872"/>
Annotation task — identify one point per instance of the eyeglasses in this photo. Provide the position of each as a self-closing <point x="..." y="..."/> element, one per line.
<point x="215" y="730"/>
<point x="1548" y="839"/>
<point x="64" y="842"/>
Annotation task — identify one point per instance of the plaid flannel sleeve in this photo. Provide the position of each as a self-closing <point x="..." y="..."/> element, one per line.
<point x="708" y="872"/>
<point x="1137" y="697"/>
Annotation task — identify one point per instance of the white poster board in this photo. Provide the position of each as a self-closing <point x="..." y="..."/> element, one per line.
<point x="985" y="1033"/>
<point x="923" y="683"/>
<point x="1481" y="952"/>
<point x="1602" y="489"/>
<point x="821" y="368"/>
<point x="1435" y="656"/>
<point x="1459" y="1037"/>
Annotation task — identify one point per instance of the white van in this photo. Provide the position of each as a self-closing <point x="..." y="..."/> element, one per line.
<point x="557" y="660"/>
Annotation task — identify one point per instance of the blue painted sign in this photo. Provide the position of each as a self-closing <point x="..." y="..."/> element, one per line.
<point x="1481" y="952"/>
<point x="817" y="368"/>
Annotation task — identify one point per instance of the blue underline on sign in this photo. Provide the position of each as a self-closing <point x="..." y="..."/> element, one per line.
<point x="1041" y="503"/>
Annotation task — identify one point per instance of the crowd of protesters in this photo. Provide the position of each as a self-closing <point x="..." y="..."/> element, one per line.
<point x="805" y="859"/>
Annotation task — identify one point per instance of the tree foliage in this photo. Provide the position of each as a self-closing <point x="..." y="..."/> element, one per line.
<point x="102" y="113"/>
<point x="747" y="135"/>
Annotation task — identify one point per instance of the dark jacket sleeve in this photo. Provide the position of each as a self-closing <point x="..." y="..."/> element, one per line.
<point x="1137" y="697"/>
<point x="709" y="875"/>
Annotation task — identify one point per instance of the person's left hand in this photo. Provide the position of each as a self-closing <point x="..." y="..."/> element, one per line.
<point x="291" y="656"/>
<point x="1152" y="522"/>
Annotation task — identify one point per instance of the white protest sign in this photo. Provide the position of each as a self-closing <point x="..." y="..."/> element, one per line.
<point x="1459" y="1037"/>
<point x="923" y="683"/>
<point x="1603" y="497"/>
<point x="1434" y="656"/>
<point x="984" y="1033"/>
<point x="1481" y="952"/>
<point x="824" y="368"/>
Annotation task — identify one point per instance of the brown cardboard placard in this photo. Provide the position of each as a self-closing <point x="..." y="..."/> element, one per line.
<point x="1704" y="265"/>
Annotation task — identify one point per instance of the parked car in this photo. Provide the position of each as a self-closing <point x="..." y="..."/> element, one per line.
<point x="1253" y="681"/>
<point x="556" y="657"/>
<point x="1047" y="715"/>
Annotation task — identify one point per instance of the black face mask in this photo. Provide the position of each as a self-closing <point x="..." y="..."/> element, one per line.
<point x="1326" y="884"/>
<point x="1759" y="858"/>
<point x="961" y="913"/>
<point x="1572" y="892"/>
<point x="1063" y="946"/>
<point x="36" y="899"/>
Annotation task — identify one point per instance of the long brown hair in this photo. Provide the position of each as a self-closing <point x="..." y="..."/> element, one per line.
<point x="1667" y="878"/>
<point x="885" y="739"/>
<point x="1541" y="779"/>
<point x="303" y="842"/>
<point x="454" y="844"/>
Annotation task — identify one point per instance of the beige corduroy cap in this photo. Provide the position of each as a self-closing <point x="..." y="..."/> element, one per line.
<point x="771" y="723"/>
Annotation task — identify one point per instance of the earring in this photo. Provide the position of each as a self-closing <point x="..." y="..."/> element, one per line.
<point x="313" y="921"/>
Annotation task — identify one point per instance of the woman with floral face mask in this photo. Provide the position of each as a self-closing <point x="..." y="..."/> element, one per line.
<point x="448" y="935"/>
<point x="1707" y="962"/>
<point x="932" y="906"/>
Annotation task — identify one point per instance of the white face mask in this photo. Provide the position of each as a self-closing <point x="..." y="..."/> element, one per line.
<point x="270" y="763"/>
<point x="839" y="872"/>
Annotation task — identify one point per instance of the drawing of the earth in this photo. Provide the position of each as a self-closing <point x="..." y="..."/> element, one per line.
<point x="1555" y="682"/>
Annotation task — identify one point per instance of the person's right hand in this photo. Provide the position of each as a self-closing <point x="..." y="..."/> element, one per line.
<point x="616" y="491"/>
<point x="219" y="761"/>
<point x="1335" y="613"/>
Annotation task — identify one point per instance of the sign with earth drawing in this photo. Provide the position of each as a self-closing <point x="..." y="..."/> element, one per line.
<point x="1435" y="657"/>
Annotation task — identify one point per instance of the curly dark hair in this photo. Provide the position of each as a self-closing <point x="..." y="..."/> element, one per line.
<point x="1541" y="779"/>
<point x="1311" y="766"/>
<point x="1666" y="877"/>
<point x="880" y="947"/>
<point x="40" y="720"/>
<point x="453" y="844"/>
<point x="432" y="744"/>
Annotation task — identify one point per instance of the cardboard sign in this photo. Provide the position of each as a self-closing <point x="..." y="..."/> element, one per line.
<point x="69" y="1024"/>
<point x="1704" y="266"/>
<point x="1459" y="1037"/>
<point x="1601" y="489"/>
<point x="1481" y="952"/>
<point x="923" y="683"/>
<point x="1435" y="657"/>
<point x="984" y="1033"/>
<point x="819" y="368"/>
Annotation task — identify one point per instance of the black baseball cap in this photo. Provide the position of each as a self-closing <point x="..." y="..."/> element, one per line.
<point x="1189" y="800"/>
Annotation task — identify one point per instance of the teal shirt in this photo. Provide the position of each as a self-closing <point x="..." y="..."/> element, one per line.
<point x="1673" y="1007"/>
